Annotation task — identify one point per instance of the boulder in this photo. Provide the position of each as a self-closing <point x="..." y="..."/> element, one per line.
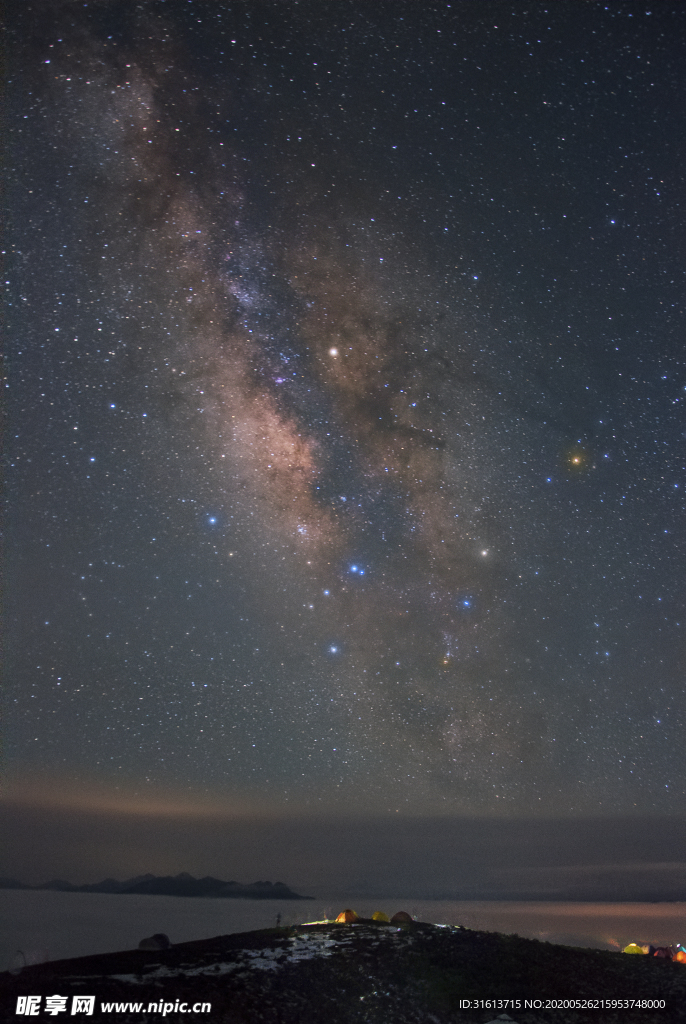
<point x="157" y="941"/>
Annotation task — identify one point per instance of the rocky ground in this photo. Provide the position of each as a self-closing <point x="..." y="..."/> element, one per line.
<point x="353" y="973"/>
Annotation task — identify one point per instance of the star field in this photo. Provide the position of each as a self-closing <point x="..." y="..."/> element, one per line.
<point x="345" y="447"/>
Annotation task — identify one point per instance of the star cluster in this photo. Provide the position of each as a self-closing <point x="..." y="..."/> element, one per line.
<point x="346" y="377"/>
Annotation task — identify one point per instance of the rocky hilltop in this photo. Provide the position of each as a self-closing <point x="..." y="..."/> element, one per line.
<point x="366" y="971"/>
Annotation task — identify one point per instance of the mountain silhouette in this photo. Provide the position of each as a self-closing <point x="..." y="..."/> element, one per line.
<point x="177" y="885"/>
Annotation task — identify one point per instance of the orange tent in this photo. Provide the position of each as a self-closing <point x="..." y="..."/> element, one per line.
<point x="347" y="917"/>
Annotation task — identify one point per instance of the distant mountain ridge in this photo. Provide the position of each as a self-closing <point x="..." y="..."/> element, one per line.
<point x="178" y="885"/>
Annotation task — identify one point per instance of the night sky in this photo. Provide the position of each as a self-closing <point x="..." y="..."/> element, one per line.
<point x="347" y="373"/>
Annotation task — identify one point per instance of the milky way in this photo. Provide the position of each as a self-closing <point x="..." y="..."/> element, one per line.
<point x="347" y="387"/>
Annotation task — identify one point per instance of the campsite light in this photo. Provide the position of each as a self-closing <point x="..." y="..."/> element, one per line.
<point x="347" y="917"/>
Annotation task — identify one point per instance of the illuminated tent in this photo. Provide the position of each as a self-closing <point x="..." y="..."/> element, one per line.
<point x="379" y="915"/>
<point x="347" y="917"/>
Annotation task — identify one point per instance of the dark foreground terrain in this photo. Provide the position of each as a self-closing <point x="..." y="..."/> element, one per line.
<point x="364" y="972"/>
